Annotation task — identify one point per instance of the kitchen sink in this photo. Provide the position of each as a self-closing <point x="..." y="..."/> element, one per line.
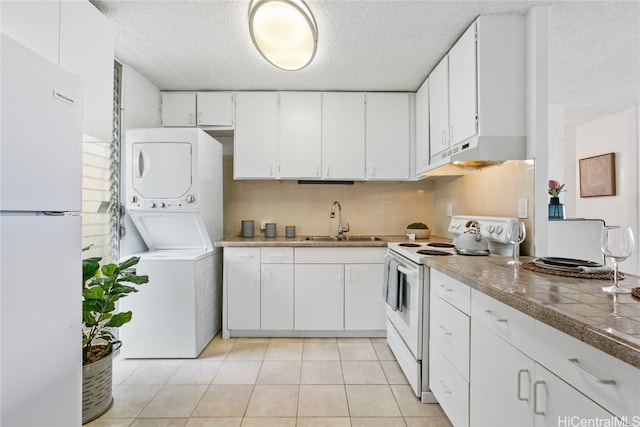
<point x="343" y="239"/>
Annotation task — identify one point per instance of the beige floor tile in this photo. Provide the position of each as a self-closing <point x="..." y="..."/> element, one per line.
<point x="110" y="422"/>
<point x="248" y="351"/>
<point x="372" y="401"/>
<point x="224" y="401"/>
<point x="130" y="400"/>
<point x="322" y="401"/>
<point x="273" y="401"/>
<point x="269" y="422"/>
<point x="253" y="340"/>
<point x="324" y="422"/>
<point x="195" y="372"/>
<point x="154" y="372"/>
<point x="321" y="372"/>
<point x="214" y="422"/>
<point x="319" y="340"/>
<point x="363" y="372"/>
<point x="393" y="372"/>
<point x="354" y="339"/>
<point x="279" y="372"/>
<point x="217" y="350"/>
<point x="160" y="422"/>
<point x="123" y="368"/>
<point x="382" y="349"/>
<point x="174" y="401"/>
<point x="279" y="350"/>
<point x="427" y="422"/>
<point x="411" y="406"/>
<point x="356" y="351"/>
<point x="321" y="351"/>
<point x="378" y="422"/>
<point x="237" y="372"/>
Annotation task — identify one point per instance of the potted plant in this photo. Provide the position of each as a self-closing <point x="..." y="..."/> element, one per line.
<point x="102" y="287"/>
<point x="419" y="229"/>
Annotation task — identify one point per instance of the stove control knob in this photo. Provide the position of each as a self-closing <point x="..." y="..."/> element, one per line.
<point x="499" y="229"/>
<point x="491" y="228"/>
<point x="191" y="198"/>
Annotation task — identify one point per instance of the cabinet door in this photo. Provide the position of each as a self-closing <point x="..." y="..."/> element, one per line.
<point x="364" y="308"/>
<point x="555" y="402"/>
<point x="387" y="136"/>
<point x="300" y="141"/>
<point x="215" y="109"/>
<point x="319" y="297"/>
<point x="86" y="49"/>
<point x="255" y="137"/>
<point x="439" y="108"/>
<point x="242" y="285"/>
<point x="276" y="305"/>
<point x="463" y="92"/>
<point x="343" y="135"/>
<point x="178" y="109"/>
<point x="500" y="380"/>
<point x="422" y="128"/>
<point x="34" y="24"/>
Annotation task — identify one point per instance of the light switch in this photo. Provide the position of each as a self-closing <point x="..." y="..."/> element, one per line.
<point x="523" y="208"/>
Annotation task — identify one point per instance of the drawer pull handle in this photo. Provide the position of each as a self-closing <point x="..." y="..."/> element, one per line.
<point x="444" y="330"/>
<point x="445" y="389"/>
<point x="489" y="312"/>
<point x="535" y="398"/>
<point x="575" y="363"/>
<point x="519" y="395"/>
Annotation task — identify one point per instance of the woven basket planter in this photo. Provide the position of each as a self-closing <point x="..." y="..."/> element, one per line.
<point x="97" y="394"/>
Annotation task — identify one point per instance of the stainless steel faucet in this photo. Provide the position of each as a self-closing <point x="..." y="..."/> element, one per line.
<point x="341" y="229"/>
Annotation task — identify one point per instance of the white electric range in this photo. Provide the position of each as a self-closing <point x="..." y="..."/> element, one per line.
<point x="408" y="306"/>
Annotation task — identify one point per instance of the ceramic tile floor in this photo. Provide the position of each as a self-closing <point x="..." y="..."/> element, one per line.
<point x="304" y="382"/>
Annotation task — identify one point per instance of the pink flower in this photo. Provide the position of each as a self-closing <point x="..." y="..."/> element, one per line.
<point x="555" y="188"/>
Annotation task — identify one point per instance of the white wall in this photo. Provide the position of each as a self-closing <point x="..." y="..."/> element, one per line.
<point x="140" y="109"/>
<point x="616" y="133"/>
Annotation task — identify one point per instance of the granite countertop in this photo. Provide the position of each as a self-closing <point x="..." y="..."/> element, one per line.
<point x="299" y="241"/>
<point x="575" y="306"/>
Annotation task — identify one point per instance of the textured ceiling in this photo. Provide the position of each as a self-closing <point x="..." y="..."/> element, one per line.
<point x="380" y="45"/>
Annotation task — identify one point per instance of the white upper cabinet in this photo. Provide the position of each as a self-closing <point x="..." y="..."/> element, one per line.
<point x="300" y="138"/>
<point x="206" y="109"/>
<point x="342" y="135"/>
<point x="439" y="107"/>
<point x="422" y="128"/>
<point x="387" y="136"/>
<point x="255" y="139"/>
<point x="77" y="37"/>
<point x="215" y="109"/>
<point x="178" y="109"/>
<point x="462" y="87"/>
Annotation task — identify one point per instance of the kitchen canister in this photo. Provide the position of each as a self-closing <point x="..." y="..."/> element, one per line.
<point x="290" y="231"/>
<point x="247" y="228"/>
<point x="270" y="229"/>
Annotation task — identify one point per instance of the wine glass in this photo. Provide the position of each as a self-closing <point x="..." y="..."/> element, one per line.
<point x="617" y="244"/>
<point x="516" y="233"/>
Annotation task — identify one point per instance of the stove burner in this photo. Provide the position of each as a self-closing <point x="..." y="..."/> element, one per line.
<point x="410" y="245"/>
<point x="441" y="245"/>
<point x="433" y="252"/>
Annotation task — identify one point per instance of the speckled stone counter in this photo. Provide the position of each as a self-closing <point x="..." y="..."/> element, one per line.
<point x="299" y="241"/>
<point x="577" y="307"/>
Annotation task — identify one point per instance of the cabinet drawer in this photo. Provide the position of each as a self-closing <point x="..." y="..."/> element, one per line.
<point x="516" y="328"/>
<point x="276" y="255"/>
<point x="608" y="381"/>
<point x="450" y="388"/>
<point x="334" y="255"/>
<point x="449" y="331"/>
<point x="241" y="254"/>
<point x="451" y="290"/>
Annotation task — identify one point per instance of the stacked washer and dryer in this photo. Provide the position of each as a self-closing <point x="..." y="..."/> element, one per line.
<point x="174" y="197"/>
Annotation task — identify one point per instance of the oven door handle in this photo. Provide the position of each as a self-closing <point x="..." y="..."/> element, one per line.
<point x="407" y="271"/>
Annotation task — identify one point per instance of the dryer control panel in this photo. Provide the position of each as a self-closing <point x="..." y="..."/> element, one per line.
<point x="189" y="202"/>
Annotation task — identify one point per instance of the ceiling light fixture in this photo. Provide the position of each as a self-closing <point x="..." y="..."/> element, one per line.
<point x="284" y="32"/>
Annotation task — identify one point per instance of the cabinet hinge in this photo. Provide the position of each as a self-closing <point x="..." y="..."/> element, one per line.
<point x="475" y="36"/>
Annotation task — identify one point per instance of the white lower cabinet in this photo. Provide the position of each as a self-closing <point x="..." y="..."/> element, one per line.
<point x="319" y="297"/>
<point x="241" y="286"/>
<point x="276" y="289"/>
<point x="364" y="307"/>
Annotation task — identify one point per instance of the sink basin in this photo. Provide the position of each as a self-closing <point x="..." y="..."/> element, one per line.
<point x="344" y="238"/>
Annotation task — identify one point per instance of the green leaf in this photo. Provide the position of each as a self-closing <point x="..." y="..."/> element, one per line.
<point x="139" y="280"/>
<point x="109" y="269"/>
<point x="95" y="292"/>
<point x="128" y="263"/>
<point x="119" y="319"/>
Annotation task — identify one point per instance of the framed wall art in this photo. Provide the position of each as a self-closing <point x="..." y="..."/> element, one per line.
<point x="598" y="175"/>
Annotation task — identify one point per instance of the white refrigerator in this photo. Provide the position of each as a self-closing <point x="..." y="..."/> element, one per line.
<point x="40" y="241"/>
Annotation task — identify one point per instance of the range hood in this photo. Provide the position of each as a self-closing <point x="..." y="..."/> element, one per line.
<point x="476" y="153"/>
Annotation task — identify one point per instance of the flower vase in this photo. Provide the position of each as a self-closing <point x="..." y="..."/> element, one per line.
<point x="556" y="209"/>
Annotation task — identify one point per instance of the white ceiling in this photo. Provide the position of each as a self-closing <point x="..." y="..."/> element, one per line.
<point x="390" y="45"/>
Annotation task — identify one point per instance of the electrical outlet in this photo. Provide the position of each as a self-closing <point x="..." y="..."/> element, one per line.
<point x="263" y="225"/>
<point x="523" y="208"/>
<point x="449" y="209"/>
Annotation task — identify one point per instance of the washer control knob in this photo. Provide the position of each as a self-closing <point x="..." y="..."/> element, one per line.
<point x="134" y="199"/>
<point x="162" y="204"/>
<point x="191" y="198"/>
<point x="153" y="204"/>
